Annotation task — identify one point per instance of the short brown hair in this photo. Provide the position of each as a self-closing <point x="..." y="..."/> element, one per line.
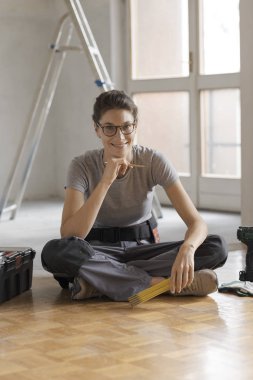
<point x="113" y="99"/>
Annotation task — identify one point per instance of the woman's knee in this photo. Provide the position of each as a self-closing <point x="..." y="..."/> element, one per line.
<point x="47" y="253"/>
<point x="65" y="255"/>
<point x="219" y="247"/>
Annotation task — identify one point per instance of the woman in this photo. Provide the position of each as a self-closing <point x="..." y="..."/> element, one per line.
<point x="109" y="241"/>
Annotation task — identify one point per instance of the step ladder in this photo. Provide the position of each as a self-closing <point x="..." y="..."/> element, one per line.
<point x="75" y="19"/>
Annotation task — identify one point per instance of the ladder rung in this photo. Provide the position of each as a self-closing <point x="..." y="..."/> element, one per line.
<point x="67" y="48"/>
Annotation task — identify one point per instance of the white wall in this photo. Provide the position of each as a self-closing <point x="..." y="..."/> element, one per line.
<point x="246" y="22"/>
<point x="26" y="31"/>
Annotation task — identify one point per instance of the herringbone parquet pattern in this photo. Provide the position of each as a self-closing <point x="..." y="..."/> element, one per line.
<point x="46" y="336"/>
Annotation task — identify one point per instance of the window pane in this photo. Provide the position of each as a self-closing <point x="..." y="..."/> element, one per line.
<point x="160" y="42"/>
<point x="219" y="36"/>
<point x="164" y="125"/>
<point x="220" y="124"/>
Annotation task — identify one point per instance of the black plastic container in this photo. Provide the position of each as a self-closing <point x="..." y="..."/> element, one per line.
<point x="16" y="270"/>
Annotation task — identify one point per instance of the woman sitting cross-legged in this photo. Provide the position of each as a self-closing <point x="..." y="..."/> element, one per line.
<point x="109" y="241"/>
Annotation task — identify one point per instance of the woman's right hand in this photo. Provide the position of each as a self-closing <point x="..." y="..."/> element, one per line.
<point x="115" y="167"/>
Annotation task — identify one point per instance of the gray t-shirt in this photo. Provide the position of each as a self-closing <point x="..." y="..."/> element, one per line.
<point x="129" y="199"/>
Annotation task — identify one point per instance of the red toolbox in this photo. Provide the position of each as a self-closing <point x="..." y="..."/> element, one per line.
<point x="16" y="270"/>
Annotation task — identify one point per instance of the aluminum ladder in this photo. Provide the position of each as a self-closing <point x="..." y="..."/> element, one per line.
<point x="20" y="172"/>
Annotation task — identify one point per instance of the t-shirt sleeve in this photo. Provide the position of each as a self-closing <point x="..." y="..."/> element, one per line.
<point x="163" y="171"/>
<point x="76" y="176"/>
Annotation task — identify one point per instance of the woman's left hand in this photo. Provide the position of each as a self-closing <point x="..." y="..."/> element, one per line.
<point x="182" y="272"/>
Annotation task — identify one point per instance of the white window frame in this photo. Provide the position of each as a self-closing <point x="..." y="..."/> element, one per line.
<point x="207" y="192"/>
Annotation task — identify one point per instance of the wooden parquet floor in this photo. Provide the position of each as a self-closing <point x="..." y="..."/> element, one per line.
<point x="44" y="335"/>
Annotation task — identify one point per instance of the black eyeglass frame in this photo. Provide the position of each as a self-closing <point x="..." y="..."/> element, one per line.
<point x="133" y="124"/>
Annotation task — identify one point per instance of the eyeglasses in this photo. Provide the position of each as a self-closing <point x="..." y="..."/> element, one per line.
<point x="111" y="130"/>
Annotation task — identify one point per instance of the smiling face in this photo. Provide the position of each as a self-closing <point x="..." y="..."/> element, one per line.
<point x="119" y="145"/>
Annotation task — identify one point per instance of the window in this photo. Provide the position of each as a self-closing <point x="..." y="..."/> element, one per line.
<point x="219" y="36"/>
<point x="164" y="125"/>
<point x="190" y="108"/>
<point x="159" y="31"/>
<point x="220" y="120"/>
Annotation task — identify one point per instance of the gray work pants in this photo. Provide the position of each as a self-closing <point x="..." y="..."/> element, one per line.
<point x="119" y="270"/>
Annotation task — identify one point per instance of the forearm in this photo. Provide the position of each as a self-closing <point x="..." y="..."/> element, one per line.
<point x="80" y="223"/>
<point x="195" y="235"/>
